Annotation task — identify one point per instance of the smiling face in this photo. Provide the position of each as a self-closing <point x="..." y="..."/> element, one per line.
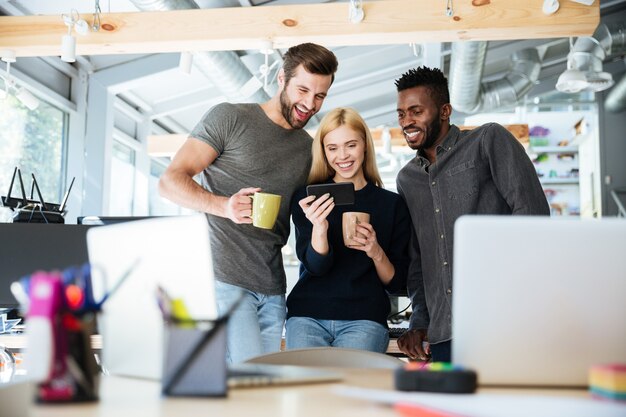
<point x="423" y="123"/>
<point x="302" y="96"/>
<point x="344" y="149"/>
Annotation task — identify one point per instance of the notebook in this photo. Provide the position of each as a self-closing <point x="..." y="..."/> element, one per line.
<point x="537" y="301"/>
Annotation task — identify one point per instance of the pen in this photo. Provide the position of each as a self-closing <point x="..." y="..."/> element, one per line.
<point x="164" y="301"/>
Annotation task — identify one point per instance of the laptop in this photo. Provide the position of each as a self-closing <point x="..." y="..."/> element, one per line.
<point x="174" y="253"/>
<point x="171" y="252"/>
<point x="537" y="301"/>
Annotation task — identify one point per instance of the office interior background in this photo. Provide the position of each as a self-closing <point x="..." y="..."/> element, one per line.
<point x="113" y="122"/>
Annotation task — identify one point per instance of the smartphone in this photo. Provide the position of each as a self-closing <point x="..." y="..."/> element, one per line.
<point x="342" y="192"/>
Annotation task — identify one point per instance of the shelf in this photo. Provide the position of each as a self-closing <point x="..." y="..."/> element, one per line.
<point x="559" y="181"/>
<point x="553" y="149"/>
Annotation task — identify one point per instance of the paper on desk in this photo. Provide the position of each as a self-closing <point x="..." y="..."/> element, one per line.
<point x="493" y="405"/>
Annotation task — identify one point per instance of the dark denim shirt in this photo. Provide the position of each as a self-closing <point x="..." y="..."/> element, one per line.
<point x="480" y="171"/>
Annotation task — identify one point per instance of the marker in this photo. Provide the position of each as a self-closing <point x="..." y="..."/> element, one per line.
<point x="415" y="410"/>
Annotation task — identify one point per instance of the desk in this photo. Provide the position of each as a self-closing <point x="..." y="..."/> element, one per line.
<point x="123" y="397"/>
<point x="17" y="341"/>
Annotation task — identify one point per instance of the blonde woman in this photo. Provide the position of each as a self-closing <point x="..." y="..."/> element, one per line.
<point x="340" y="298"/>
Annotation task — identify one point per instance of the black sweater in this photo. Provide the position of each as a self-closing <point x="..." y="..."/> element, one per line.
<point x="344" y="285"/>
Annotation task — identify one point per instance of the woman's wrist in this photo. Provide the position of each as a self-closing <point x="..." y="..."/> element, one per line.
<point x="379" y="256"/>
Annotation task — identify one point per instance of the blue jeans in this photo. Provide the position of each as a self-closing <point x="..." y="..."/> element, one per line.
<point x="256" y="326"/>
<point x="305" y="332"/>
<point x="441" y="352"/>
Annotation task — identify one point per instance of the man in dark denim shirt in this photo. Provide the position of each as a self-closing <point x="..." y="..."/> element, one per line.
<point x="481" y="171"/>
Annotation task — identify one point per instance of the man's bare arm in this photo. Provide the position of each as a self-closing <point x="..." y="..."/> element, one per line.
<point x="178" y="186"/>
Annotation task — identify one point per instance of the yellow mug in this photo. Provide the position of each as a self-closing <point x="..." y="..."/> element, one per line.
<point x="265" y="208"/>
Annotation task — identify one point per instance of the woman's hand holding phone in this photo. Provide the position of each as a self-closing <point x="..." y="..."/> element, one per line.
<point x="317" y="210"/>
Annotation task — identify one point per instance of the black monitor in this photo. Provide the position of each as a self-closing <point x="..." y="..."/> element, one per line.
<point x="27" y="247"/>
<point x="106" y="220"/>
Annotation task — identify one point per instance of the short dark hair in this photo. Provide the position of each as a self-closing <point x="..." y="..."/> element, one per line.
<point x="431" y="78"/>
<point x="314" y="58"/>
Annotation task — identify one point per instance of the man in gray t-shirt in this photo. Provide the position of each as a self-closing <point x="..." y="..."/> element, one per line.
<point x="240" y="149"/>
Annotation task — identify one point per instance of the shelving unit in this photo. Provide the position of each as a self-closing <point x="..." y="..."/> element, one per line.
<point x="553" y="149"/>
<point x="559" y="181"/>
<point x="565" y="172"/>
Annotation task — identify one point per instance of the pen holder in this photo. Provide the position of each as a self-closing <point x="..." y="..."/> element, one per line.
<point x="76" y="375"/>
<point x="195" y="358"/>
<point x="60" y="356"/>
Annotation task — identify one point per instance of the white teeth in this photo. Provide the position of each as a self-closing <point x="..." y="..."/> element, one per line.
<point x="345" y="165"/>
<point x="301" y="110"/>
<point x="411" y="134"/>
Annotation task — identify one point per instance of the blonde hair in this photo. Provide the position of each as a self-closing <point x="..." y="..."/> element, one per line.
<point x="320" y="168"/>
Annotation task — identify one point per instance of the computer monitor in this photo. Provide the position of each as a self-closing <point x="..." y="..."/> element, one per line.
<point x="108" y="220"/>
<point x="537" y="301"/>
<point x="28" y="247"/>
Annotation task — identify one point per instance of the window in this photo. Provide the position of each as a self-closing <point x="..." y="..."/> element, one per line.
<point x="160" y="206"/>
<point x="122" y="180"/>
<point x="33" y="141"/>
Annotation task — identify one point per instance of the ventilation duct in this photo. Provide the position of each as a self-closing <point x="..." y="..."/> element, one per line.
<point x="466" y="72"/>
<point x="469" y="95"/>
<point x="587" y="54"/>
<point x="225" y="70"/>
<point x="616" y="100"/>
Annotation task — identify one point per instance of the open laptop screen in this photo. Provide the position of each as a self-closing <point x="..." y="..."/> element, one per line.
<point x="173" y="252"/>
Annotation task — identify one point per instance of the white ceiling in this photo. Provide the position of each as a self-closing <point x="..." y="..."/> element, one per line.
<point x="364" y="79"/>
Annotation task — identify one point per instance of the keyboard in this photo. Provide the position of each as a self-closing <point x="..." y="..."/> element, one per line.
<point x="396" y="332"/>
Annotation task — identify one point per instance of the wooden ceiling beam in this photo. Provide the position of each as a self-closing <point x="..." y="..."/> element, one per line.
<point x="168" y="145"/>
<point x="240" y="28"/>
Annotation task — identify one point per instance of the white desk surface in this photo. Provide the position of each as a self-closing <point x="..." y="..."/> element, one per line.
<point x="121" y="397"/>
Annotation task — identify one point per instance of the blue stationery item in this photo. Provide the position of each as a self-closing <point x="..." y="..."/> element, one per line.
<point x="82" y="278"/>
<point x="6" y="325"/>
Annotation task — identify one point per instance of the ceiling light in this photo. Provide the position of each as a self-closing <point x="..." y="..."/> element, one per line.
<point x="68" y="48"/>
<point x="571" y="81"/>
<point x="355" y="11"/>
<point x="550" y="6"/>
<point x="267" y="49"/>
<point x="599" y="81"/>
<point x="22" y="94"/>
<point x="8" y="55"/>
<point x="68" y="42"/>
<point x="27" y="98"/>
<point x="185" y="62"/>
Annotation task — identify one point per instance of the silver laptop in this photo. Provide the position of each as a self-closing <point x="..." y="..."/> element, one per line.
<point x="172" y="252"/>
<point x="537" y="301"/>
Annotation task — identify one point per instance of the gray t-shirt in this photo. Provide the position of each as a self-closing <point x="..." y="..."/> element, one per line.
<point x="252" y="151"/>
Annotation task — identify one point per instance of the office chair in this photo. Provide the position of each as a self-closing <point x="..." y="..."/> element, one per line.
<point x="331" y="357"/>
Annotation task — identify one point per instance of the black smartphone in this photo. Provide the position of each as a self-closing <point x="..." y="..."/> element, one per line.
<point x="342" y="192"/>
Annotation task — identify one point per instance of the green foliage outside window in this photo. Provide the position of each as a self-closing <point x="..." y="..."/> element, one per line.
<point x="33" y="142"/>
